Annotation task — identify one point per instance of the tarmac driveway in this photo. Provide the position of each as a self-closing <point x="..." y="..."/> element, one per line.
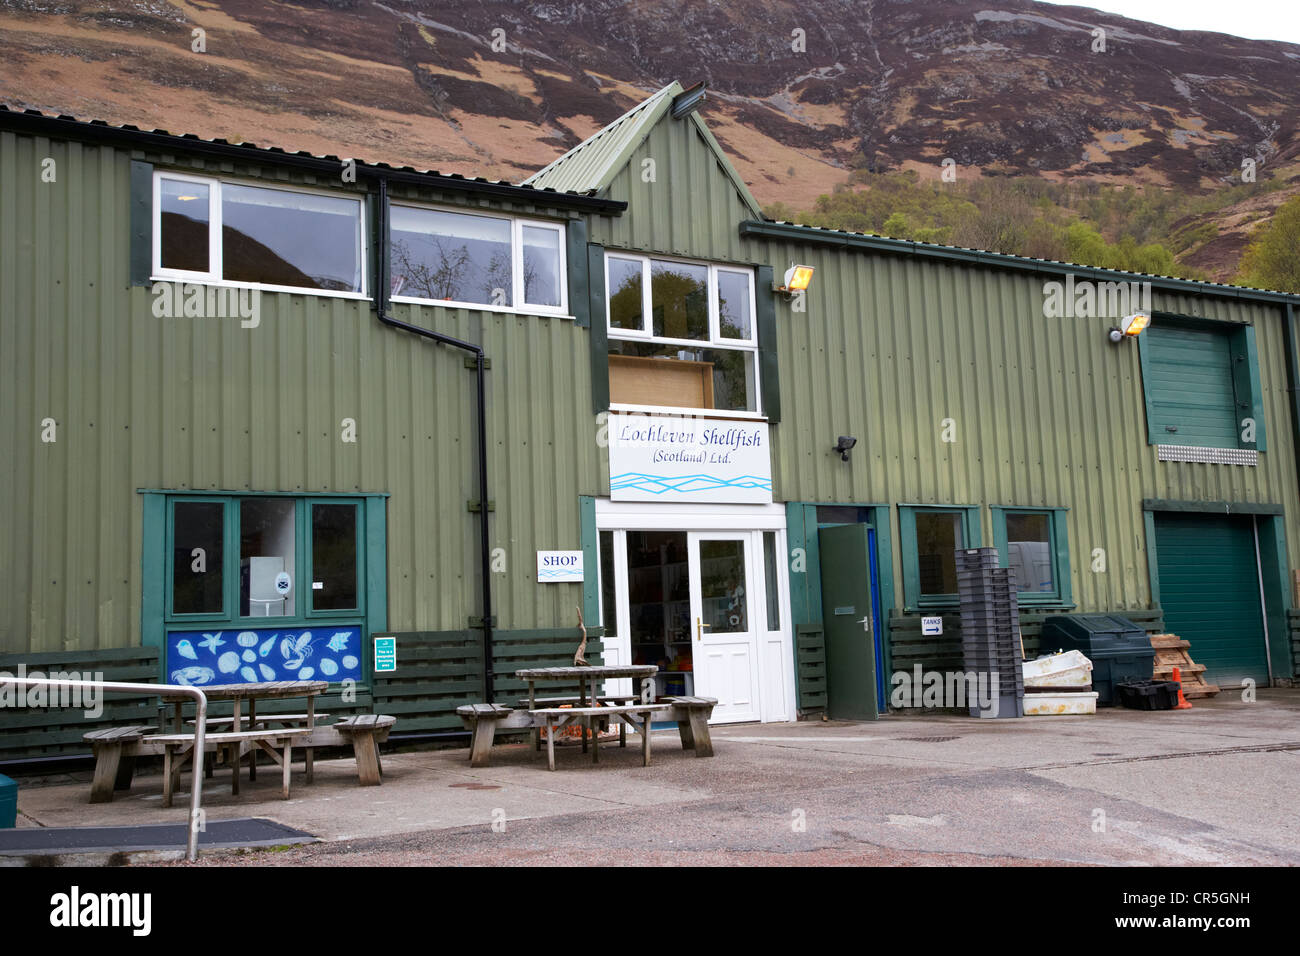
<point x="1214" y="785"/>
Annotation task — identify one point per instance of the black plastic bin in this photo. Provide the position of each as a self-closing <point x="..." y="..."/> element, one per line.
<point x="1119" y="649"/>
<point x="1148" y="694"/>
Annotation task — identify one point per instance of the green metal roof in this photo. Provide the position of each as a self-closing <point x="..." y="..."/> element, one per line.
<point x="591" y="166"/>
<point x="793" y="232"/>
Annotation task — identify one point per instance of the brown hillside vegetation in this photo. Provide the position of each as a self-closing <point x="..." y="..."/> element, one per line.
<point x="803" y="95"/>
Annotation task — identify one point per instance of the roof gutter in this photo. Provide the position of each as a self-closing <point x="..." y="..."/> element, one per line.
<point x="810" y="235"/>
<point x="62" y="127"/>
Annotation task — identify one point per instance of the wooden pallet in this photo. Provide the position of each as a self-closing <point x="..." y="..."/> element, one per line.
<point x="1172" y="651"/>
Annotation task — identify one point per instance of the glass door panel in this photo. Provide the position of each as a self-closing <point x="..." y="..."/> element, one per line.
<point x="722" y="615"/>
<point x="659" y="612"/>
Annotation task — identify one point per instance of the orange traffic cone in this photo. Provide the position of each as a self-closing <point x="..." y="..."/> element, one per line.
<point x="1182" y="701"/>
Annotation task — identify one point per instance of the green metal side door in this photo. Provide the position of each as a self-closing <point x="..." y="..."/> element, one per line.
<point x="1209" y="589"/>
<point x="846" y="614"/>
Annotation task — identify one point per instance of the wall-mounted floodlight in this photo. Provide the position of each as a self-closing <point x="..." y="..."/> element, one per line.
<point x="797" y="279"/>
<point x="1133" y="326"/>
<point x="844" y="445"/>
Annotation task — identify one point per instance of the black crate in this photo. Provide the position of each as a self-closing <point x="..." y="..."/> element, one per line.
<point x="1148" y="694"/>
<point x="980" y="613"/>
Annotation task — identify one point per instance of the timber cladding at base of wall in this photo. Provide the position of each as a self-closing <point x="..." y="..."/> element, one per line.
<point x="943" y="653"/>
<point x="1293" y="626"/>
<point x="437" y="671"/>
<point x="810" y="668"/>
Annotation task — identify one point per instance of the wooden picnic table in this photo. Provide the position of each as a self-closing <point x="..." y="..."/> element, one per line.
<point x="583" y="675"/>
<point x="568" y="675"/>
<point x="253" y="692"/>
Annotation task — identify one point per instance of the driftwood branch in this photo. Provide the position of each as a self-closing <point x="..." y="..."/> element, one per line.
<point x="578" y="659"/>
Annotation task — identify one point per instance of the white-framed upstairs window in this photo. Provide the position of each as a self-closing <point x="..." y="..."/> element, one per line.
<point x="682" y="334"/>
<point x="477" y="260"/>
<point x="250" y="235"/>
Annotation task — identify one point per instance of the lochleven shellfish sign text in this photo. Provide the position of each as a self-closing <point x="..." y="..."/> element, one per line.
<point x="661" y="458"/>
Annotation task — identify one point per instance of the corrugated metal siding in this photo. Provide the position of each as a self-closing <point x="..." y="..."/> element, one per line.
<point x="144" y="402"/>
<point x="1047" y="411"/>
<point x="690" y="209"/>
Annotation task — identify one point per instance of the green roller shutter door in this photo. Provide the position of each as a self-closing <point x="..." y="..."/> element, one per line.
<point x="1209" y="590"/>
<point x="1191" y="400"/>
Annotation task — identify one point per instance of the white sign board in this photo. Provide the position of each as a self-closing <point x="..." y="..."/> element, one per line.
<point x="664" y="458"/>
<point x="931" y="626"/>
<point x="554" y="567"/>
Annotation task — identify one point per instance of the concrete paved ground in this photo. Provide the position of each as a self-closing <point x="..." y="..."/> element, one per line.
<point x="1214" y="785"/>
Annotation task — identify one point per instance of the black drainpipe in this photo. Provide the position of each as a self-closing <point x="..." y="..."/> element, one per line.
<point x="381" y="310"/>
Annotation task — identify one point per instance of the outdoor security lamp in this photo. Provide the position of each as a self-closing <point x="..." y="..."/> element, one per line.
<point x="797" y="279"/>
<point x="1133" y="326"/>
<point x="845" y="443"/>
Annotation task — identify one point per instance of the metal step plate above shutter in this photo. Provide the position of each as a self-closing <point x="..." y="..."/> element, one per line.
<point x="1209" y="589"/>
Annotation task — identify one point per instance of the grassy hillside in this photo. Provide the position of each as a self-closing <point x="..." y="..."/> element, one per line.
<point x="1137" y="228"/>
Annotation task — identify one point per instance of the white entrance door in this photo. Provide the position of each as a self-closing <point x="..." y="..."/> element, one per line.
<point x="724" y="622"/>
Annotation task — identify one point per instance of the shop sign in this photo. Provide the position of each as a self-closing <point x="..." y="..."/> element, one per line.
<point x="555" y="567"/>
<point x="666" y="458"/>
<point x="932" y="626"/>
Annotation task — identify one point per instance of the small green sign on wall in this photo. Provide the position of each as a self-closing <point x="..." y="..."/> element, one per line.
<point x="385" y="654"/>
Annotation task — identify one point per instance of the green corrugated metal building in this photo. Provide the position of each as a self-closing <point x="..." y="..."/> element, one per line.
<point x="185" y="462"/>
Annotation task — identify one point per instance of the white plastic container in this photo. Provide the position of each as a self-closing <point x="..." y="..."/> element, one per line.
<point x="1053" y="705"/>
<point x="1070" y="669"/>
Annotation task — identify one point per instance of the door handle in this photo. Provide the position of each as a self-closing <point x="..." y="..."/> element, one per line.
<point x="699" y="629"/>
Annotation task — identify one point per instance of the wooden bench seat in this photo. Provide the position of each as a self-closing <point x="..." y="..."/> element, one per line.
<point x="367" y="732"/>
<point x="481" y="720"/>
<point x="692" y="716"/>
<point x="262" y="719"/>
<point x="178" y="750"/>
<point x="115" y="750"/>
<point x="637" y="716"/>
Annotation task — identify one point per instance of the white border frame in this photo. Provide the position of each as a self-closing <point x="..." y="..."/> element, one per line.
<point x="715" y="340"/>
<point x="620" y="516"/>
<point x="517" y="224"/>
<point x="215" y="262"/>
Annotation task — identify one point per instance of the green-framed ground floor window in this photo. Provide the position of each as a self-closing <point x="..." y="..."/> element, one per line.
<point x="931" y="536"/>
<point x="1035" y="544"/>
<point x="263" y="587"/>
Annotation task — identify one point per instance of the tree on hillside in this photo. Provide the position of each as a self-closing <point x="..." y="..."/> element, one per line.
<point x="1272" y="260"/>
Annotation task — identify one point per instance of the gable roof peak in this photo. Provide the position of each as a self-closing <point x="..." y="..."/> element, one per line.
<point x="592" y="165"/>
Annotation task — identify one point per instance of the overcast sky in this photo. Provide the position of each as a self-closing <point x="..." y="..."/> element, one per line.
<point x="1257" y="19"/>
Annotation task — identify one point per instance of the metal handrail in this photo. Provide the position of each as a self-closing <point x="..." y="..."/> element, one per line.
<point x="196" y="787"/>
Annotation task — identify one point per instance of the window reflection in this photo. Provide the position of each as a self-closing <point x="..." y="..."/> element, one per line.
<point x="279" y="237"/>
<point x="679" y="300"/>
<point x="452" y="257"/>
<point x="183" y="225"/>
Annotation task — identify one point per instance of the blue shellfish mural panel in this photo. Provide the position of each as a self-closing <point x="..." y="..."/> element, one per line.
<point x="264" y="654"/>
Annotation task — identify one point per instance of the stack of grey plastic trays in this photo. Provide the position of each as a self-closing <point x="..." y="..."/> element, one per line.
<point x="990" y="633"/>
